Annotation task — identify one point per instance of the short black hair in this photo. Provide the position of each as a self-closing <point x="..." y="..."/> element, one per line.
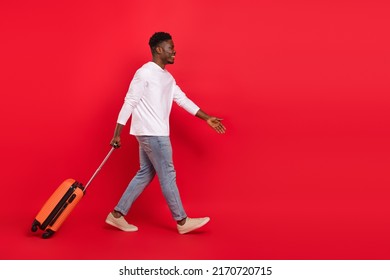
<point x="157" y="38"/>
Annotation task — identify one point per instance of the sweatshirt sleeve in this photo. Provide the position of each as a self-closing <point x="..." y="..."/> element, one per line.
<point x="133" y="97"/>
<point x="183" y="101"/>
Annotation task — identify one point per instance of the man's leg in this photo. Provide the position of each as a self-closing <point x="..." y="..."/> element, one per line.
<point x="159" y="150"/>
<point x="143" y="177"/>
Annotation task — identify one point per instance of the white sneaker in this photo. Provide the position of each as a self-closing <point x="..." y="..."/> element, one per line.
<point x="192" y="224"/>
<point x="120" y="223"/>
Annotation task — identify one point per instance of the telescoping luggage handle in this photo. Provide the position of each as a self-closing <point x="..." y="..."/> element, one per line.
<point x="100" y="167"/>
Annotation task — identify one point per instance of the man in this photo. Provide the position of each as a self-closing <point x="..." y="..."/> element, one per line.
<point x="149" y="101"/>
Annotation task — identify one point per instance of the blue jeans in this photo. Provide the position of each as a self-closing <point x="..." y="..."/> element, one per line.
<point x="155" y="153"/>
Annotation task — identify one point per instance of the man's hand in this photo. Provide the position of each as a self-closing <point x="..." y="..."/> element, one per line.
<point x="116" y="142"/>
<point x="216" y="124"/>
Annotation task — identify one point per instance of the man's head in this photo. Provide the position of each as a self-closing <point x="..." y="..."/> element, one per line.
<point x="162" y="48"/>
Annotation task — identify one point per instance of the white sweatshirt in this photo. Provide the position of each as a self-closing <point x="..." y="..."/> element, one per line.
<point x="149" y="101"/>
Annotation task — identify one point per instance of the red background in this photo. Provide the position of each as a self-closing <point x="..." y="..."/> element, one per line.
<point x="303" y="88"/>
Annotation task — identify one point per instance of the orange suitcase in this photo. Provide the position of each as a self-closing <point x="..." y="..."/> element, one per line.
<point x="61" y="203"/>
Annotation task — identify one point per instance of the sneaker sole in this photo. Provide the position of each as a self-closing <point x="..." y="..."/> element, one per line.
<point x="198" y="226"/>
<point x="121" y="228"/>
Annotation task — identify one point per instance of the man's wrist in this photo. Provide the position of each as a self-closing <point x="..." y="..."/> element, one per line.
<point x="202" y="115"/>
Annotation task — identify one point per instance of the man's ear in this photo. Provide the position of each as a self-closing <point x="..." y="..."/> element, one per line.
<point x="159" y="49"/>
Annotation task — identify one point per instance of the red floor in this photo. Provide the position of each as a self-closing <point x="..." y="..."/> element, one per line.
<point x="320" y="205"/>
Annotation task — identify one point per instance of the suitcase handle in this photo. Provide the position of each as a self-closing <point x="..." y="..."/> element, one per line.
<point x="100" y="166"/>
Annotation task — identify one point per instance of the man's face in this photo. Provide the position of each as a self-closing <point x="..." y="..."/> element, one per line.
<point x="166" y="51"/>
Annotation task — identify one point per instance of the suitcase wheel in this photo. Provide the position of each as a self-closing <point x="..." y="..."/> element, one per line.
<point x="35" y="226"/>
<point x="49" y="233"/>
